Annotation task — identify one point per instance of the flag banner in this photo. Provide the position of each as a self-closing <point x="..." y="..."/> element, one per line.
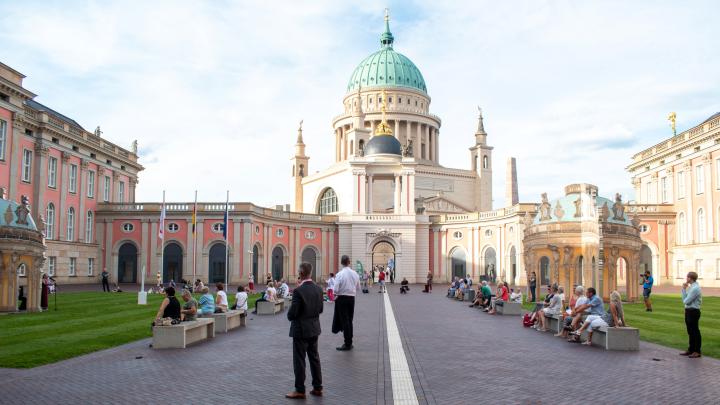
<point x="225" y="222"/>
<point x="194" y="218"/>
<point x="161" y="231"/>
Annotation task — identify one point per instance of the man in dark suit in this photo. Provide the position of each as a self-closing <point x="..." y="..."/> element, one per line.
<point x="304" y="317"/>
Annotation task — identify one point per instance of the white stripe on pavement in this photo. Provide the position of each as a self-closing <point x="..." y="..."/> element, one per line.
<point x="402" y="384"/>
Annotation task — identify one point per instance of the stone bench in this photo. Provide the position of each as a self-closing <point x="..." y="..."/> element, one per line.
<point x="226" y="321"/>
<point x="623" y="338"/>
<point x="509" y="308"/>
<point x="469" y="295"/>
<point x="183" y="334"/>
<point x="269" y="308"/>
<point x="554" y="323"/>
<point x="287" y="302"/>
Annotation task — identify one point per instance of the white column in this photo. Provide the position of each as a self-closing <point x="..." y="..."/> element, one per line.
<point x="372" y="127"/>
<point x="417" y="148"/>
<point x="398" y="189"/>
<point x="369" y="207"/>
<point x="397" y="130"/>
<point x="710" y="235"/>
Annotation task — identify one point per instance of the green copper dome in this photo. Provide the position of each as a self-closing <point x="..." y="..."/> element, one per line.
<point x="387" y="68"/>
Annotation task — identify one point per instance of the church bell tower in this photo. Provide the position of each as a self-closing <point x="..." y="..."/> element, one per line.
<point x="481" y="161"/>
<point x="299" y="170"/>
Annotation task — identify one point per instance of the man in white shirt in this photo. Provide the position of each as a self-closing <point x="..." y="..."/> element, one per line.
<point x="347" y="283"/>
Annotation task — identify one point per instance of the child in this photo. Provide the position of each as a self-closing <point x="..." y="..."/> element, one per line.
<point x="331" y="287"/>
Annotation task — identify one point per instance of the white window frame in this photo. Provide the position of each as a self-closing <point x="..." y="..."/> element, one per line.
<point x="27" y="165"/>
<point x="3" y="138"/>
<point x="663" y="189"/>
<point x="128" y="227"/>
<point x="91" y="266"/>
<point x="681" y="184"/>
<point x="50" y="221"/>
<point x="89" y="221"/>
<point x="91" y="184"/>
<point x="682" y="229"/>
<point x="121" y="192"/>
<point x="52" y="172"/>
<point x="22" y="270"/>
<point x="72" y="177"/>
<point x="72" y="267"/>
<point x="51" y="265"/>
<point x="699" y="179"/>
<point x="679" y="269"/>
<point x="106" y="190"/>
<point x="70" y="230"/>
<point x="173" y="227"/>
<point x="701" y="226"/>
<point x="699" y="267"/>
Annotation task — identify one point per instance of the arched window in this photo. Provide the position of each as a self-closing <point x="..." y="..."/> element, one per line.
<point x="89" y="227"/>
<point x="50" y="221"/>
<point x="682" y="230"/>
<point x="544" y="270"/>
<point x="701" y="225"/>
<point x="328" y="202"/>
<point x="486" y="163"/>
<point x="71" y="224"/>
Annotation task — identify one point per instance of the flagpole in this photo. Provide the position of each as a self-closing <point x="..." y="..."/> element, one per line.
<point x="162" y="241"/>
<point x="227" y="233"/>
<point x="194" y="237"/>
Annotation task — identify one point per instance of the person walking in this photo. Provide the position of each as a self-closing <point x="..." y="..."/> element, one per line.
<point x="647" y="289"/>
<point x="347" y="283"/>
<point x="105" y="276"/>
<point x="381" y="281"/>
<point x="692" y="299"/>
<point x="304" y="317"/>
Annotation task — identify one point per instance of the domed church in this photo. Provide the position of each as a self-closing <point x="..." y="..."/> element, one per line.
<point x="387" y="181"/>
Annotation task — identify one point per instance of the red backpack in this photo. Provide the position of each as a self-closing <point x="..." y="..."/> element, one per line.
<point x="527" y="320"/>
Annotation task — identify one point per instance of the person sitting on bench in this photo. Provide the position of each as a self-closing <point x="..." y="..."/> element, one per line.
<point x="404" y="288"/>
<point x="554" y="308"/>
<point x="169" y="307"/>
<point x="501" y="297"/>
<point x="572" y="315"/>
<point x="615" y="317"/>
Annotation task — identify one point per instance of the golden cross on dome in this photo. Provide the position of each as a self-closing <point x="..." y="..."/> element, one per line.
<point x="672" y="118"/>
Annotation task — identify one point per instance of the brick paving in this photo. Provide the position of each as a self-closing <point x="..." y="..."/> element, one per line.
<point x="462" y="354"/>
<point x="456" y="355"/>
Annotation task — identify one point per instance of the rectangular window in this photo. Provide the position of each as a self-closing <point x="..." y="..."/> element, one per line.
<point x="664" y="189"/>
<point x="121" y="192"/>
<point x="73" y="264"/>
<point x="699" y="180"/>
<point x="422" y="150"/>
<point x="91" y="185"/>
<point x="72" y="187"/>
<point x="648" y="193"/>
<point x="679" y="269"/>
<point x="699" y="267"/>
<point x="51" y="266"/>
<point x="91" y="266"/>
<point x="26" y="165"/>
<point x="3" y="138"/>
<point x="52" y="172"/>
<point x="681" y="184"/>
<point x="106" y="192"/>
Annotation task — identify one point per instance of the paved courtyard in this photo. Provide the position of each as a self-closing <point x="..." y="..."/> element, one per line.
<point x="454" y="354"/>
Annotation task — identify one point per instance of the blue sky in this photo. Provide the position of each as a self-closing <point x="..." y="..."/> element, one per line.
<point x="213" y="91"/>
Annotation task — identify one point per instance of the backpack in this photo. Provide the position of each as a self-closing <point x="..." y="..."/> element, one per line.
<point x="527" y="321"/>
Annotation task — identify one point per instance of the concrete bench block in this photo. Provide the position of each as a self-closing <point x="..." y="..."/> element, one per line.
<point x="509" y="308"/>
<point x="287" y="302"/>
<point x="469" y="295"/>
<point x="227" y="321"/>
<point x="554" y="323"/>
<point x="268" y="308"/>
<point x="183" y="334"/>
<point x="621" y="339"/>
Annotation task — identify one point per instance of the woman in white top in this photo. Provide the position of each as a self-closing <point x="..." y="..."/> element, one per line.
<point x="271" y="292"/>
<point x="241" y="299"/>
<point x="331" y="287"/>
<point x="554" y="308"/>
<point x="221" y="301"/>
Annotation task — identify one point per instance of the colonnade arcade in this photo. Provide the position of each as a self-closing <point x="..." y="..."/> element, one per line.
<point x="424" y="138"/>
<point x="374" y="200"/>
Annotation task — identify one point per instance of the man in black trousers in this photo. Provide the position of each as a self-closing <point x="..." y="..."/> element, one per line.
<point x="304" y="317"/>
<point x="347" y="284"/>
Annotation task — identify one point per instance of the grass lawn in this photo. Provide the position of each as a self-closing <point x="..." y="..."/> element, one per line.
<point x="666" y="324"/>
<point x="85" y="322"/>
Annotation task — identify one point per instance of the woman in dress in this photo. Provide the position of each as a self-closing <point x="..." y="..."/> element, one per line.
<point x="44" y="293"/>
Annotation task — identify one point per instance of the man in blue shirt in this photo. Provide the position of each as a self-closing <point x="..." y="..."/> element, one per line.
<point x="647" y="289"/>
<point x="692" y="299"/>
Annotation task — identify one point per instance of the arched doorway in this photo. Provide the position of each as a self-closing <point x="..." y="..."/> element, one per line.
<point x="621" y="276"/>
<point x="646" y="260"/>
<point x="579" y="271"/>
<point x="172" y="262"/>
<point x="457" y="263"/>
<point x="544" y="271"/>
<point x="309" y="256"/>
<point x="255" y="263"/>
<point x="278" y="259"/>
<point x="513" y="265"/>
<point x="216" y="263"/>
<point x="490" y="265"/>
<point x="127" y="263"/>
<point x="383" y="254"/>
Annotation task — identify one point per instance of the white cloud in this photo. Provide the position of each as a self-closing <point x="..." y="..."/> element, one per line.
<point x="213" y="91"/>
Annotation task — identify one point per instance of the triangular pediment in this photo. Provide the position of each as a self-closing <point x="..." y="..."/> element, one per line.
<point x="441" y="205"/>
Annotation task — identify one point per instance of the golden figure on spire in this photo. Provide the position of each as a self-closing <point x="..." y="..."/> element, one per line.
<point x="383" y="128"/>
<point x="387" y="14"/>
<point x="672" y="118"/>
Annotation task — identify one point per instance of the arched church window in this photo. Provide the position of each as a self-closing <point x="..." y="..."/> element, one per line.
<point x="328" y="202"/>
<point x="485" y="162"/>
<point x="302" y="171"/>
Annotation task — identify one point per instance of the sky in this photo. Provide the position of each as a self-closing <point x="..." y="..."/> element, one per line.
<point x="213" y="90"/>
